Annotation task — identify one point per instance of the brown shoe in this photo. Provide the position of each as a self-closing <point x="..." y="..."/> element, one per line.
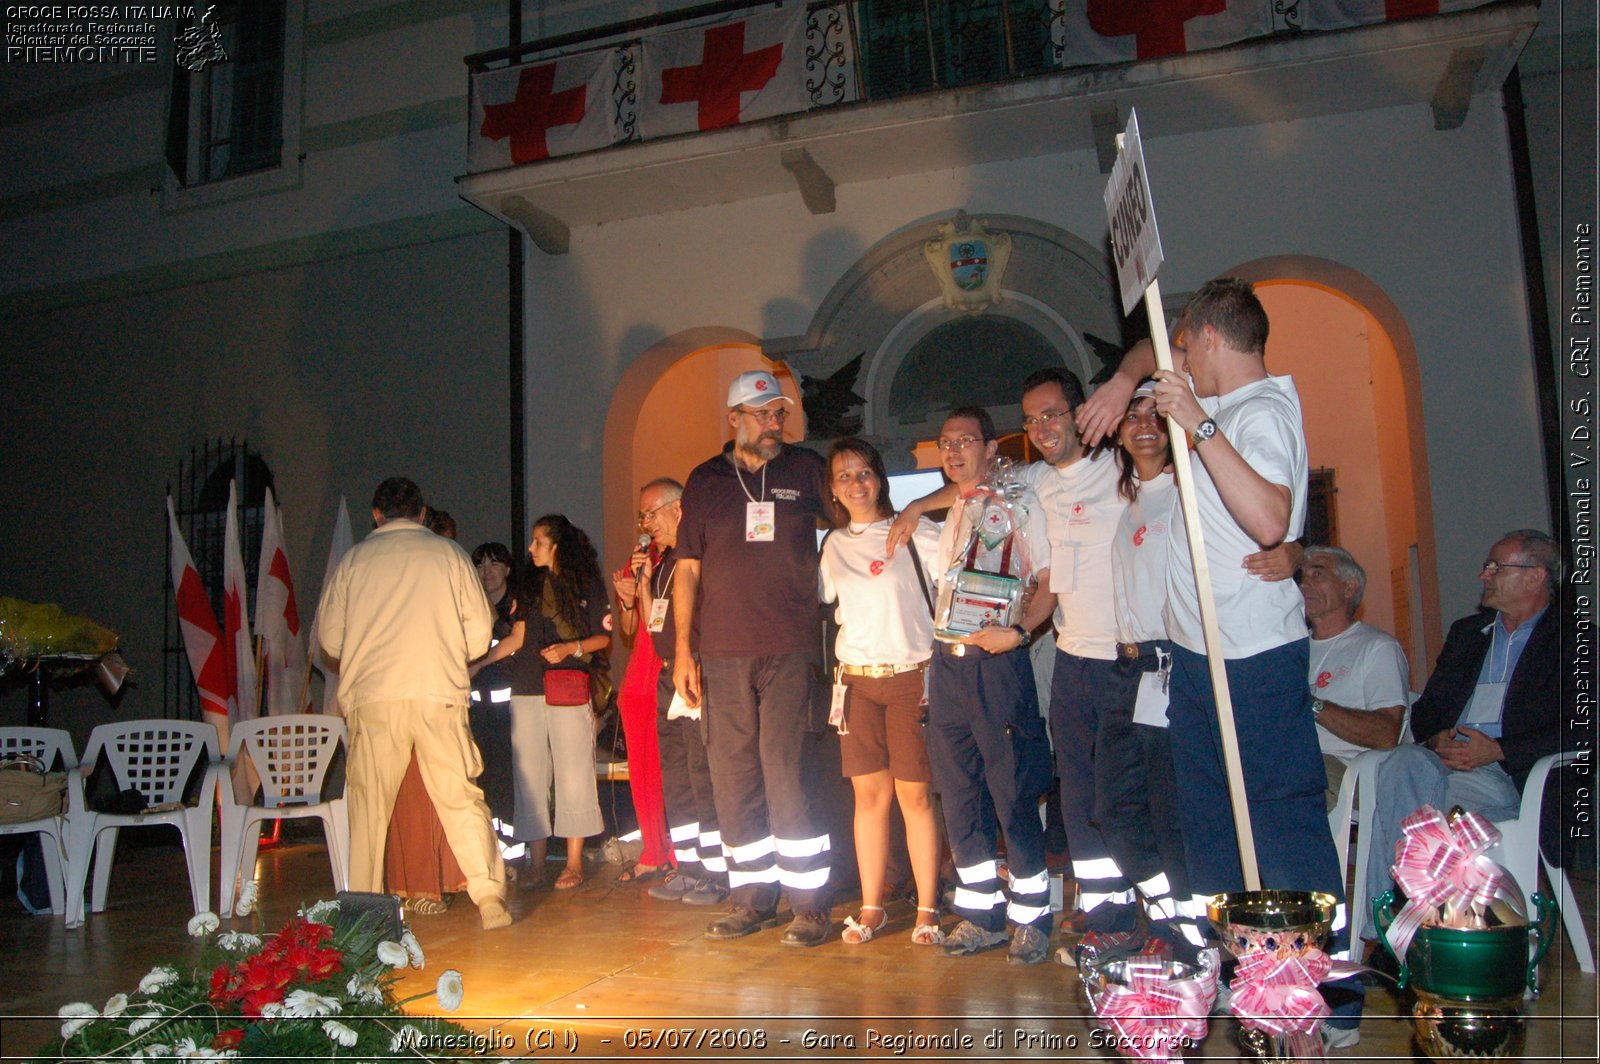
<point x="737" y="923"/>
<point x="810" y="928"/>
<point x="492" y="912"/>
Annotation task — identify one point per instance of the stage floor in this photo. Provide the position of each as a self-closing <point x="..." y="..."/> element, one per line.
<point x="606" y="971"/>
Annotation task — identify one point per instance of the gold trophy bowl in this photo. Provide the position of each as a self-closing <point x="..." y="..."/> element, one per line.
<point x="1482" y="1031"/>
<point x="1282" y="922"/>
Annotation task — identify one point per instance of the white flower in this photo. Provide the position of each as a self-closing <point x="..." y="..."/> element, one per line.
<point x="363" y="990"/>
<point x="78" y="1015"/>
<point x="322" y="912"/>
<point x="338" y="1032"/>
<point x="159" y="978"/>
<point x="272" y="1010"/>
<point x="144" y="1021"/>
<point x="202" y="924"/>
<point x="404" y="1038"/>
<point x="304" y="1003"/>
<point x="158" y="1049"/>
<point x="450" y="990"/>
<point x="413" y="949"/>
<point x="245" y="904"/>
<point x="393" y="954"/>
<point x="184" y="1047"/>
<point x="116" y="1005"/>
<point x="238" y="941"/>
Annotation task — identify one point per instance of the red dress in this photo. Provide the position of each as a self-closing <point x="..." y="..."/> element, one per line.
<point x="636" y="702"/>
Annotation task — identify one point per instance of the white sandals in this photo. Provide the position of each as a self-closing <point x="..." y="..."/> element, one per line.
<point x="927" y="934"/>
<point x="856" y="932"/>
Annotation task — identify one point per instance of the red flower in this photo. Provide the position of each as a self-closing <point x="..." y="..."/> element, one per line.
<point x="228" y="1039"/>
<point x="220" y="980"/>
<point x="256" y="999"/>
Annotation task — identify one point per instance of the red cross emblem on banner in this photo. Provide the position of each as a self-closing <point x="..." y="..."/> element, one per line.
<point x="725" y="71"/>
<point x="1156" y="25"/>
<point x="535" y="111"/>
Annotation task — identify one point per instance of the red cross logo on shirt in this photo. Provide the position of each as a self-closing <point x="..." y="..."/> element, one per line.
<point x="1324" y="679"/>
<point x="1077" y="509"/>
<point x="1156" y="25"/>
<point x="1138" y="536"/>
<point x="876" y="566"/>
<point x="725" y="71"/>
<point x="536" y="110"/>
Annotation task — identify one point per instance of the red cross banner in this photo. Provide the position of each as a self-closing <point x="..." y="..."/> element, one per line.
<point x="202" y="636"/>
<point x="524" y="114"/>
<point x="725" y="74"/>
<point x="283" y="659"/>
<point x="1092" y="32"/>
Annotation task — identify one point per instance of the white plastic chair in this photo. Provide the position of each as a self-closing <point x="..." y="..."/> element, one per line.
<point x="291" y="754"/>
<point x="53" y="747"/>
<point x="1518" y="850"/>
<point x="156" y="758"/>
<point x="1354" y="807"/>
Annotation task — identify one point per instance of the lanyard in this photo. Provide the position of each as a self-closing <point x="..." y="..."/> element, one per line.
<point x="746" y="490"/>
<point x="655" y="579"/>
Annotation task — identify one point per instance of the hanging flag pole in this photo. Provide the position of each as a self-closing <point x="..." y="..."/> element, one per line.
<point x="1136" y="250"/>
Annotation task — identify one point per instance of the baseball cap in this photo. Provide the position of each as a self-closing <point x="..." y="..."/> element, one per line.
<point x="755" y="388"/>
<point x="1146" y="390"/>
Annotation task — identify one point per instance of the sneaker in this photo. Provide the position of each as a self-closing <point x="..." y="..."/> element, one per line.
<point x="968" y="937"/>
<point x="705" y="892"/>
<point x="741" y="921"/>
<point x="1340" y="1037"/>
<point x="674" y="887"/>
<point x="809" y="928"/>
<point x="1028" y="946"/>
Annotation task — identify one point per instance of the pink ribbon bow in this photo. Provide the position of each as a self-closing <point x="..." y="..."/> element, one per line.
<point x="1438" y="863"/>
<point x="1279" y="995"/>
<point x="1154" y="1015"/>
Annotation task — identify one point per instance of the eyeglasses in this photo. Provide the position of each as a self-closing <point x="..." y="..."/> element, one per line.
<point x="1492" y="567"/>
<point x="1044" y="420"/>
<point x="645" y="515"/>
<point x="960" y="443"/>
<point x="766" y="417"/>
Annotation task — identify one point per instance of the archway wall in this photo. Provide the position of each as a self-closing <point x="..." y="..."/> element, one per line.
<point x="1427" y="216"/>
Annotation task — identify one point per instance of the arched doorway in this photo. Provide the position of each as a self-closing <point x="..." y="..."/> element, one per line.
<point x="1355" y="367"/>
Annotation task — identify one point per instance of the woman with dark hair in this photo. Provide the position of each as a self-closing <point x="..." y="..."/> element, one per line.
<point x="885" y="612"/>
<point x="490" y="714"/>
<point x="564" y="621"/>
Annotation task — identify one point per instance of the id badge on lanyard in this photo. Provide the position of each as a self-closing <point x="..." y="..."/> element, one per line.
<point x="1485" y="706"/>
<point x="658" y="615"/>
<point x="760" y="522"/>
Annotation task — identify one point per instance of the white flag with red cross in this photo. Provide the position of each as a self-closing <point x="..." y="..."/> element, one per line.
<point x="202" y="636"/>
<point x="733" y="72"/>
<point x="283" y="660"/>
<point x="552" y="107"/>
<point x="238" y="648"/>
<point x="1119" y="31"/>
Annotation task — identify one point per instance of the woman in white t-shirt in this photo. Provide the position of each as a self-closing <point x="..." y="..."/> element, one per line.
<point x="885" y="639"/>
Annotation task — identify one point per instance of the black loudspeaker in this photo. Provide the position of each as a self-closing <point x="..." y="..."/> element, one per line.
<point x="381" y="911"/>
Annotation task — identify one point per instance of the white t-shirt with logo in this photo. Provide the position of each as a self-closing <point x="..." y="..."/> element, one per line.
<point x="1082" y="508"/>
<point x="1262" y="422"/>
<point x="1360" y="668"/>
<point x="1139" y="558"/>
<point x="884" y="618"/>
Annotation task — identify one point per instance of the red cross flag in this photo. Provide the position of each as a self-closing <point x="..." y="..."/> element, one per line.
<point x="202" y="637"/>
<point x="1116" y="31"/>
<point x="238" y="649"/>
<point x="554" y="107"/>
<point x="711" y="77"/>
<point x="283" y="658"/>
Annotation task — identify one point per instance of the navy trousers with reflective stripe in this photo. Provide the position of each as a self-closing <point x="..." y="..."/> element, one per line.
<point x="991" y="765"/>
<point x="686" y="786"/>
<point x="761" y="735"/>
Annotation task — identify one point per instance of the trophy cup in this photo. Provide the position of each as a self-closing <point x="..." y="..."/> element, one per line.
<point x="1155" y="1008"/>
<point x="1277" y="931"/>
<point x="1470" y="982"/>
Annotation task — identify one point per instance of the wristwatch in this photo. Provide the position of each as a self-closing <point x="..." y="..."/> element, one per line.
<point x="1317" y="706"/>
<point x="1202" y="432"/>
<point x="1023" y="632"/>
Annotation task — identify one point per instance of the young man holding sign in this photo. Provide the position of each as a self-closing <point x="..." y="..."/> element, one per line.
<point x="1250" y="482"/>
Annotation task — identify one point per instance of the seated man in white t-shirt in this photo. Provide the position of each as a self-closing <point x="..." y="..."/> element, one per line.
<point x="1359" y="676"/>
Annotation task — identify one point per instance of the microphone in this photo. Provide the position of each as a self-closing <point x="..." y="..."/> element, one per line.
<point x="644" y="544"/>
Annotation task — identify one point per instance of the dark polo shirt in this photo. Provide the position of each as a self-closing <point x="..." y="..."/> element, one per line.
<point x="756" y="599"/>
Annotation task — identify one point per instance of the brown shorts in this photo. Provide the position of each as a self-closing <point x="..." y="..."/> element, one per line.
<point x="884" y="718"/>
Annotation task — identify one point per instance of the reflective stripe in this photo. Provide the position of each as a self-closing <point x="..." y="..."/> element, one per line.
<point x="972" y="899"/>
<point x="686" y="854"/>
<point x="802" y="847"/>
<point x="980" y="873"/>
<point x="1192" y="933"/>
<point x="633" y="836"/>
<point x="737" y="878"/>
<point x="714" y="864"/>
<point x="813" y="880"/>
<point x="1090" y="902"/>
<point x="685" y="832"/>
<point x="1156" y="886"/>
<point x="1025" y="914"/>
<point x="711" y="839"/>
<point x="476" y="697"/>
<point x="751" y="852"/>
<point x="500" y="694"/>
<point x="1194" y="908"/>
<point x="1098" y="868"/>
<point x="1161" y="909"/>
<point x="1339" y="917"/>
<point x="1032" y="885"/>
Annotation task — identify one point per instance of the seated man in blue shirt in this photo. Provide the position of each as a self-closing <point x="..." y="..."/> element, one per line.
<point x="1492" y="706"/>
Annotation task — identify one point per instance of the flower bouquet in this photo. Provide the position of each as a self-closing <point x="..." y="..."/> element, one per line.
<point x="312" y="990"/>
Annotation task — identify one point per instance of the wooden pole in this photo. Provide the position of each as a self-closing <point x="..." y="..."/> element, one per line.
<point x="1183" y="467"/>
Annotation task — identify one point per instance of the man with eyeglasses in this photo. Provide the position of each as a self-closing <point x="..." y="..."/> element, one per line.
<point x="746" y="589"/>
<point x="1492" y="706"/>
<point x="986" y="743"/>
<point x="702" y="872"/>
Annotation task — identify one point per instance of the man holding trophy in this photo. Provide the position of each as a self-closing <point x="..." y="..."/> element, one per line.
<point x="986" y="742"/>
